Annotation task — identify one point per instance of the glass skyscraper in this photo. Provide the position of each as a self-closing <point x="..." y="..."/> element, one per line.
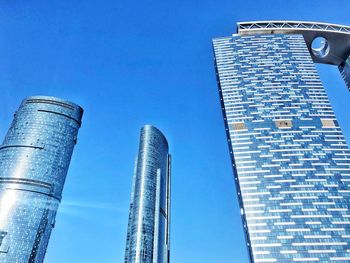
<point x="291" y="163"/>
<point x="148" y="233"/>
<point x="34" y="160"/>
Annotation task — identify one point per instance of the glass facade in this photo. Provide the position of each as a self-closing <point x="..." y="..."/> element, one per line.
<point x="149" y="217"/>
<point x="344" y="69"/>
<point x="34" y="160"/>
<point x="290" y="160"/>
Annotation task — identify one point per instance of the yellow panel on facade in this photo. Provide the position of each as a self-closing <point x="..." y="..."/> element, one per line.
<point x="283" y="124"/>
<point x="328" y="123"/>
<point x="238" y="126"/>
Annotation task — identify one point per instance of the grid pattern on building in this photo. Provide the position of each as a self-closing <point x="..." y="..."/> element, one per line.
<point x="149" y="217"/>
<point x="344" y="69"/>
<point x="290" y="159"/>
<point x="34" y="160"/>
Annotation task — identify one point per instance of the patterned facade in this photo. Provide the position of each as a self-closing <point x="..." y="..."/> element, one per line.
<point x="34" y="160"/>
<point x="148" y="236"/>
<point x="290" y="160"/>
<point x="344" y="69"/>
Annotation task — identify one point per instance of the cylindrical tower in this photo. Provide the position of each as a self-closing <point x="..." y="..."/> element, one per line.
<point x="34" y="160"/>
<point x="149" y="218"/>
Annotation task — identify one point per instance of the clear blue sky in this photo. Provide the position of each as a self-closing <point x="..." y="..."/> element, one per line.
<point x="130" y="63"/>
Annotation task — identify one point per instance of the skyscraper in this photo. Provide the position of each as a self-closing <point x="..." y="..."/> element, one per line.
<point x="291" y="163"/>
<point x="34" y="160"/>
<point x="149" y="218"/>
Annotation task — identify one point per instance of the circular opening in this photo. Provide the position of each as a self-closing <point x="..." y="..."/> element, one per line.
<point x="320" y="47"/>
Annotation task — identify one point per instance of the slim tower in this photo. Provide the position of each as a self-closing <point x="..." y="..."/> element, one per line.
<point x="290" y="160"/>
<point x="149" y="218"/>
<point x="34" y="160"/>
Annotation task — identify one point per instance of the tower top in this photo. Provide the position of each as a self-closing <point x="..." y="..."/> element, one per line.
<point x="335" y="47"/>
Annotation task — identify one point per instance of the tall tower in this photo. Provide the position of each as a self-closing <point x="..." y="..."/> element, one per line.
<point x="149" y="218"/>
<point x="291" y="163"/>
<point x="34" y="160"/>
